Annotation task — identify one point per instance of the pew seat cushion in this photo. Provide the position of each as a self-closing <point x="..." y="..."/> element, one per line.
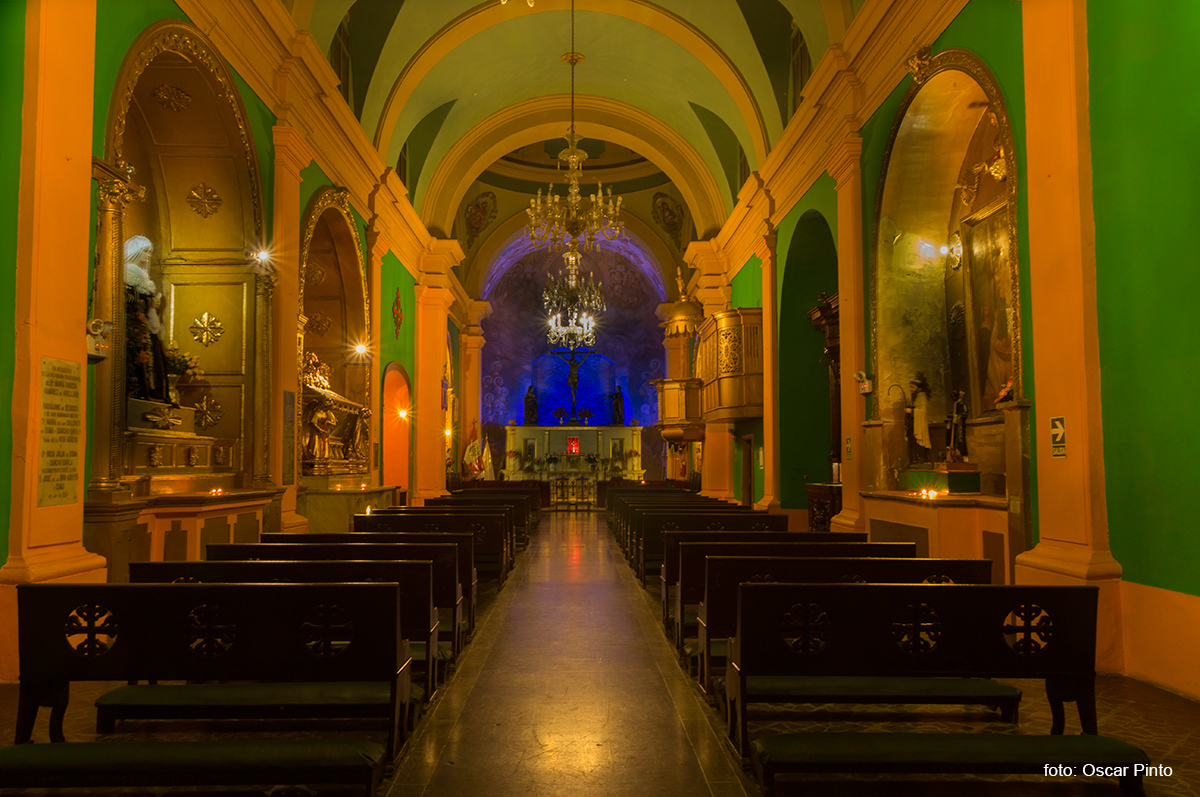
<point x="937" y="752"/>
<point x="246" y="695"/>
<point x="877" y="689"/>
<point x="244" y="761"/>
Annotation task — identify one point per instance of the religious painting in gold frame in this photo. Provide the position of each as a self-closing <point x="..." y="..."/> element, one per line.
<point x="986" y="245"/>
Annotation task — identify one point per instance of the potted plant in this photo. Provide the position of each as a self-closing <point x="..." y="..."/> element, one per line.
<point x="592" y="460"/>
<point x="552" y="461"/>
<point x="178" y="365"/>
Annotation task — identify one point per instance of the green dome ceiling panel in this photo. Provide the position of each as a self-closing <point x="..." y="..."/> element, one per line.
<point x="520" y="60"/>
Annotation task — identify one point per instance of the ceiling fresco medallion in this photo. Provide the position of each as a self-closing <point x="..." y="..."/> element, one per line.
<point x="397" y="313"/>
<point x="207" y="330"/>
<point x="172" y="98"/>
<point x="478" y="214"/>
<point x="204" y="200"/>
<point x="208" y="413"/>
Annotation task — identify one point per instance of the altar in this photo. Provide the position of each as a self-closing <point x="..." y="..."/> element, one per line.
<point x="591" y="453"/>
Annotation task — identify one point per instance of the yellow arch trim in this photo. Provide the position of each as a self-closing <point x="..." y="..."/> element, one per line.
<point x="542" y="118"/>
<point x="484" y="260"/>
<point x="642" y="12"/>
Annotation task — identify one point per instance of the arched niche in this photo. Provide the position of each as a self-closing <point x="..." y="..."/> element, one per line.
<point x="944" y="273"/>
<point x="334" y="337"/>
<point x="397" y="426"/>
<point x="810" y="428"/>
<point x="177" y="128"/>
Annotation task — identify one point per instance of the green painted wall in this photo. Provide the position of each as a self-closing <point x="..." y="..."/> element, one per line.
<point x="992" y="30"/>
<point x="808" y="262"/>
<point x="12" y="80"/>
<point x="753" y="427"/>
<point x="421" y="139"/>
<point x="771" y="26"/>
<point x="746" y="285"/>
<point x="397" y="346"/>
<point x="1142" y="66"/>
<point x="725" y="142"/>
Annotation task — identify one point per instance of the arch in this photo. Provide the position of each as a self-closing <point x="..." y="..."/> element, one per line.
<point x="397" y="428"/>
<point x="515" y="227"/>
<point x="806" y="429"/>
<point x="544" y="118"/>
<point x="189" y="44"/>
<point x="643" y="12"/>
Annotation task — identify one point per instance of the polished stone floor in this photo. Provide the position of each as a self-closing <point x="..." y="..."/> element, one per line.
<point x="569" y="687"/>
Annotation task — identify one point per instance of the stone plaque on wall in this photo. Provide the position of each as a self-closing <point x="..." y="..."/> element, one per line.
<point x="289" y="437"/>
<point x="62" y="423"/>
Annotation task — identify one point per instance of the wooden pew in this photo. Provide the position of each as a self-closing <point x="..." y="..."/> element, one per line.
<point x="953" y="631"/>
<point x="619" y="500"/>
<point x="531" y="489"/>
<point x="651" y="546"/>
<point x="447" y="585"/>
<point x="462" y="540"/>
<point x="669" y="572"/>
<point x="418" y="614"/>
<point x="631" y="507"/>
<point x="508" y="511"/>
<point x="689" y="589"/>
<point x="717" y="616"/>
<point x="521" y="504"/>
<point x="343" y="636"/>
<point x="491" y="529"/>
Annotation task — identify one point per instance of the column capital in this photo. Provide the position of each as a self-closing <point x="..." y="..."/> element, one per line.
<point x="710" y="285"/>
<point x="844" y="161"/>
<point x="764" y="248"/>
<point x="292" y="152"/>
<point x="441" y="255"/>
<point x="476" y="311"/>
<point x="433" y="296"/>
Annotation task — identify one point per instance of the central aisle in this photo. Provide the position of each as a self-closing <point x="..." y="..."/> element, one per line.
<point x="568" y="688"/>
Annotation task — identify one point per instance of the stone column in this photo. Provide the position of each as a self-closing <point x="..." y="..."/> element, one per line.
<point x="843" y="165"/>
<point x="53" y="224"/>
<point x="1073" y="545"/>
<point x="765" y="250"/>
<point x="710" y="286"/>
<point x="377" y="246"/>
<point x="470" y="356"/>
<point x="292" y="154"/>
<point x="433" y="300"/>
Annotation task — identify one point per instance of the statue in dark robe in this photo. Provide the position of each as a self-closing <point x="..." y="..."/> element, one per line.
<point x="956" y="428"/>
<point x="618" y="407"/>
<point x="531" y="416"/>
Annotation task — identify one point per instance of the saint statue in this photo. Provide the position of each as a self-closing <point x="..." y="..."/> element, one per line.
<point x="319" y="420"/>
<point x="956" y="428"/>
<point x="531" y="417"/>
<point x="618" y="407"/>
<point x="145" y="358"/>
<point x="916" y="416"/>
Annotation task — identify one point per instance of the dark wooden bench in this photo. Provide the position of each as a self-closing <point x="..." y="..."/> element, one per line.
<point x="447" y="584"/>
<point x="339" y="640"/>
<point x="628" y="517"/>
<point x="651" y="546"/>
<point x="530" y="489"/>
<point x="689" y="589"/>
<point x="717" y="615"/>
<point x="464" y="541"/>
<point x="479" y="500"/>
<point x="624" y="503"/>
<point x="492" y="564"/>
<point x="669" y="571"/>
<point x="918" y="630"/>
<point x="418" y="615"/>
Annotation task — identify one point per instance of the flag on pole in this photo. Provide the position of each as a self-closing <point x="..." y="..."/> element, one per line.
<point x="489" y="474"/>
<point x="473" y="457"/>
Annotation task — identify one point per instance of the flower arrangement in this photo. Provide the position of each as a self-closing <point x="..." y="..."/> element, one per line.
<point x="180" y="363"/>
<point x="633" y="453"/>
<point x="514" y="453"/>
<point x="552" y="459"/>
<point x="591" y="459"/>
<point x="585" y="414"/>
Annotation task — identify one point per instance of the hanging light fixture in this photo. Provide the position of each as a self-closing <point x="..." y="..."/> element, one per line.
<point x="571" y="304"/>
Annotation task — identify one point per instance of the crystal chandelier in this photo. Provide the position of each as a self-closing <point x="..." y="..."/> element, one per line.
<point x="571" y="304"/>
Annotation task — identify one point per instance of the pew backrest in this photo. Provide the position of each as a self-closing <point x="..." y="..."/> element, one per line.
<point x="672" y="539"/>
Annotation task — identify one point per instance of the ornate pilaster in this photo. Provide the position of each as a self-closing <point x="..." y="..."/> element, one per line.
<point x="844" y="166"/>
<point x="108" y="422"/>
<point x="264" y="289"/>
<point x="470" y="343"/>
<point x="710" y="284"/>
<point x="765" y="251"/>
<point x="434" y="297"/>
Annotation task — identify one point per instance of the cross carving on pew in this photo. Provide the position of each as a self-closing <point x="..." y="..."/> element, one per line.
<point x="92" y="622"/>
<point x="919" y="631"/>
<point x="210" y="636"/>
<point x="326" y="632"/>
<point x="807" y="625"/>
<point x="1028" y="629"/>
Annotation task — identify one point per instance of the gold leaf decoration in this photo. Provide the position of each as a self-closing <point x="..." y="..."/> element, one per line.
<point x="172" y="98"/>
<point x="478" y="214"/>
<point x="156" y="456"/>
<point x="204" y="200"/>
<point x="208" y="414"/>
<point x="314" y="373"/>
<point x="314" y="275"/>
<point x="669" y="215"/>
<point x="318" y="324"/>
<point x="919" y="65"/>
<point x="162" y="418"/>
<point x="221" y="456"/>
<point x="207" y="330"/>
<point x="193" y="456"/>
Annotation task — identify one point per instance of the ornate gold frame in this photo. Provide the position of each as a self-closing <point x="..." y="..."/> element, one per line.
<point x="923" y="66"/>
<point x="329" y="198"/>
<point x="189" y="43"/>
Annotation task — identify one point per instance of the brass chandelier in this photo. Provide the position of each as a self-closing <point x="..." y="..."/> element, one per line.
<point x="571" y="304"/>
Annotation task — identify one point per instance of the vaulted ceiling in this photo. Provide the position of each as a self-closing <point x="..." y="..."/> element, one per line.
<point x="688" y="85"/>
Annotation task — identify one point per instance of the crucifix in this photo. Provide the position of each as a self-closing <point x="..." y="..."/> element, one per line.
<point x="573" y="376"/>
